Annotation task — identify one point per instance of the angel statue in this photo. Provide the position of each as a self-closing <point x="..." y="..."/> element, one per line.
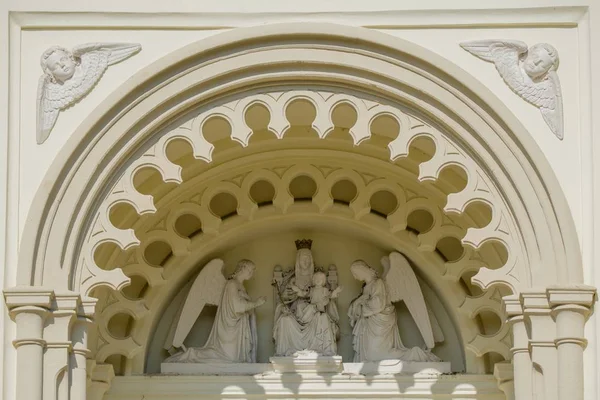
<point x="306" y="313"/>
<point x="70" y="75"/>
<point x="233" y="335"/>
<point x="373" y="316"/>
<point x="530" y="73"/>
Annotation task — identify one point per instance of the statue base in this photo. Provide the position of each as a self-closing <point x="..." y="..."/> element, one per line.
<point x="307" y="362"/>
<point x="329" y="365"/>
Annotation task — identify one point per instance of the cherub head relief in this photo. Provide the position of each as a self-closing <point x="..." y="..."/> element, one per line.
<point x="529" y="72"/>
<point x="59" y="87"/>
<point x="58" y="63"/>
<point x="540" y="59"/>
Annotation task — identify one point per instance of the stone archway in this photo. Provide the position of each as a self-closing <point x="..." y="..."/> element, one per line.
<point x="373" y="74"/>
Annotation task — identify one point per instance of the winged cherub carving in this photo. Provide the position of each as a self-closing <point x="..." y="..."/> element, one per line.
<point x="373" y="316"/>
<point x="530" y="73"/>
<point x="233" y="335"/>
<point x="70" y="75"/>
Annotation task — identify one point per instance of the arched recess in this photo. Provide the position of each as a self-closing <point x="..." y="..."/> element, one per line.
<point x="402" y="229"/>
<point x="474" y="126"/>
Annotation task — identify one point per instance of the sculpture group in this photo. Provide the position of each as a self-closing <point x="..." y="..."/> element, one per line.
<point x="306" y="315"/>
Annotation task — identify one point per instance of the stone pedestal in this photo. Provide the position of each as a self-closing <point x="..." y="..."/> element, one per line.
<point x="394" y="367"/>
<point x="309" y="366"/>
<point x="307" y="363"/>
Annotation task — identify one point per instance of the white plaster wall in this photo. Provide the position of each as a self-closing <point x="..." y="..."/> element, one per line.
<point x="24" y="163"/>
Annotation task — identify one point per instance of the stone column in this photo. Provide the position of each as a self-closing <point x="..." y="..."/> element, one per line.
<point x="570" y="308"/>
<point x="28" y="307"/>
<point x="79" y="357"/>
<point x="542" y="330"/>
<point x="521" y="361"/>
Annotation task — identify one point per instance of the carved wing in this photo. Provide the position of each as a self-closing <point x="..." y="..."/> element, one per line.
<point x="206" y="289"/>
<point x="115" y="52"/>
<point x="402" y="284"/>
<point x="545" y="94"/>
<point x="552" y="110"/>
<point x="438" y="334"/>
<point x="47" y="112"/>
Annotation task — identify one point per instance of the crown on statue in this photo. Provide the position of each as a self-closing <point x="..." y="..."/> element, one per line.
<point x="303" y="244"/>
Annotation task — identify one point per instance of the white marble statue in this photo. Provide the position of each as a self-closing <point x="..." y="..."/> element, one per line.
<point x="70" y="75"/>
<point x="233" y="335"/>
<point x="373" y="316"/>
<point x="306" y="314"/>
<point x="530" y="73"/>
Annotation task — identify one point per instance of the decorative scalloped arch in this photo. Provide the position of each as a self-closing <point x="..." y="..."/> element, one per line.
<point x="471" y="128"/>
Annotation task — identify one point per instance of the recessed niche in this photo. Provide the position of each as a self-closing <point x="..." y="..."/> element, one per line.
<point x="300" y="113"/>
<point x="223" y="205"/>
<point x="180" y="152"/>
<point x="118" y="362"/>
<point x="480" y="213"/>
<point x="344" y="116"/>
<point x="157" y="253"/>
<point x="136" y="289"/>
<point x="419" y="221"/>
<point x="490" y="322"/>
<point x="119" y="326"/>
<point x="383" y="203"/>
<point x="188" y="225"/>
<point x="146" y="180"/>
<point x="494" y="253"/>
<point x="384" y="129"/>
<point x="257" y="117"/>
<point x="421" y="149"/>
<point x="450" y="248"/>
<point x="454" y="179"/>
<point x="343" y="191"/>
<point x="216" y="129"/>
<point x="123" y="215"/>
<point x="105" y="254"/>
<point x="262" y="192"/>
<point x="303" y="188"/>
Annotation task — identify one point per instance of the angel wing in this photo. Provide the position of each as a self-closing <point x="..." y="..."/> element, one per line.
<point x="47" y="113"/>
<point x="116" y="52"/>
<point x="206" y="289"/>
<point x="553" y="112"/>
<point x="94" y="59"/>
<point x="544" y="94"/>
<point x="402" y="284"/>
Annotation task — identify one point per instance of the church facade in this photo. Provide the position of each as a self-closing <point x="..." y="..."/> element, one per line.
<point x="307" y="200"/>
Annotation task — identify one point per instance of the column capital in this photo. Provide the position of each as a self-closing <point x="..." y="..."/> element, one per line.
<point x="512" y="306"/>
<point x="21" y="296"/>
<point x="582" y="295"/>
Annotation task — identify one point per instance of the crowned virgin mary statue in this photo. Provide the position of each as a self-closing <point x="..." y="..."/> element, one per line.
<point x="306" y="314"/>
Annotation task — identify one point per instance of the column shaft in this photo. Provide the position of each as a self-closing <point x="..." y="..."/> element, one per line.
<point x="30" y="351"/>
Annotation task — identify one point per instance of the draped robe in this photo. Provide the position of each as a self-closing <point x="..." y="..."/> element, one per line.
<point x="233" y="334"/>
<point x="375" y="328"/>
